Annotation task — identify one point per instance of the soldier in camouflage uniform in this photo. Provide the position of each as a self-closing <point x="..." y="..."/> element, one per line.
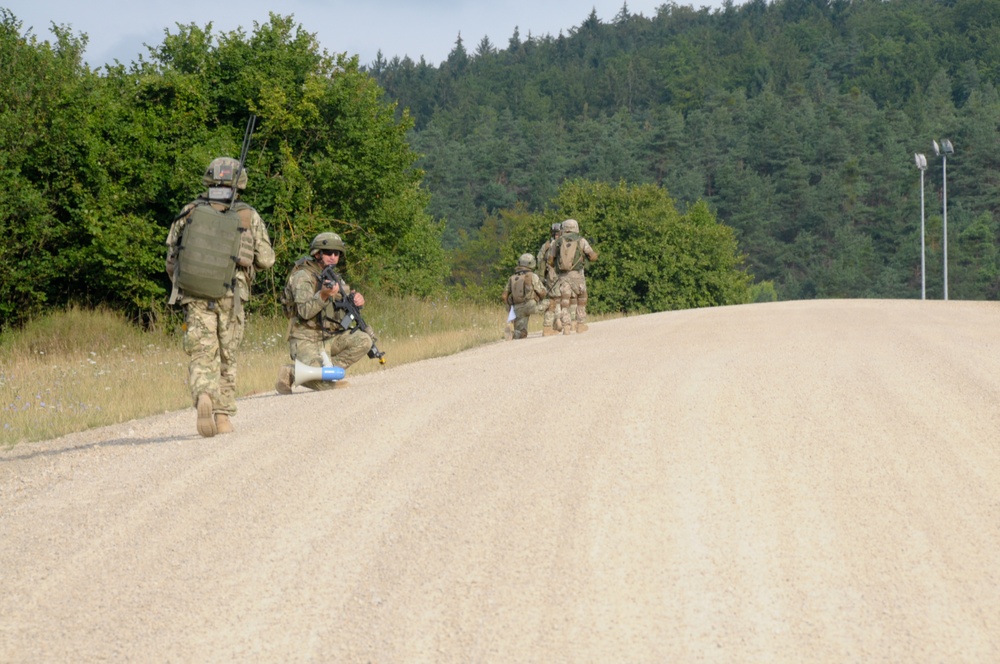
<point x="315" y="334"/>
<point x="549" y="305"/>
<point x="523" y="291"/>
<point x="213" y="328"/>
<point x="569" y="256"/>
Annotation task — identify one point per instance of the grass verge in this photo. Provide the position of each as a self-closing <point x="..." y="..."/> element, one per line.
<point x="80" y="368"/>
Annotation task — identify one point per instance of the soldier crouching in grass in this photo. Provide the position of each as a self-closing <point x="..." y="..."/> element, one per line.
<point x="319" y="332"/>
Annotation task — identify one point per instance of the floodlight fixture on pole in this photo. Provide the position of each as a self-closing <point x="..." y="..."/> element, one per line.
<point x="922" y="165"/>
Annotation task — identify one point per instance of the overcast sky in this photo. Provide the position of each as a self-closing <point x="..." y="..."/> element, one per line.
<point x="428" y="28"/>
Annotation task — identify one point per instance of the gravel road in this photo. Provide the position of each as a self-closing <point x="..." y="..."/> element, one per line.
<point x="799" y="481"/>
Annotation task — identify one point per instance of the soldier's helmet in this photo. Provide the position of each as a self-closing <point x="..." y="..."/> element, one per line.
<point x="326" y="241"/>
<point x="222" y="170"/>
<point x="570" y="226"/>
<point x="526" y="260"/>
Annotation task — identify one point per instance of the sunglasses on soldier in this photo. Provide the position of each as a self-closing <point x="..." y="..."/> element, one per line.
<point x="329" y="252"/>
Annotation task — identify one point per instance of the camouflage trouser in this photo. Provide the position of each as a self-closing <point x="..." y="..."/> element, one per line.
<point x="550" y="315"/>
<point x="572" y="287"/>
<point x="344" y="350"/>
<point x="551" y="309"/>
<point x="522" y="314"/>
<point x="213" y="332"/>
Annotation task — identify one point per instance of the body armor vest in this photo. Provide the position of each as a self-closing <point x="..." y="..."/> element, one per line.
<point x="213" y="244"/>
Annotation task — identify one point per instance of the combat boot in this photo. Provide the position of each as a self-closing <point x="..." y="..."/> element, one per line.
<point x="206" y="420"/>
<point x="581" y="327"/>
<point x="548" y="331"/>
<point x="222" y="423"/>
<point x="285" y="377"/>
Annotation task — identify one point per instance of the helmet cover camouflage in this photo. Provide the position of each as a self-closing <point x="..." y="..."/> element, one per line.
<point x="221" y="172"/>
<point x="326" y="241"/>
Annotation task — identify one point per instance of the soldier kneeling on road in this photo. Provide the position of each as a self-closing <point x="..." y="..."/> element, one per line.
<point x="523" y="291"/>
<point x="321" y="329"/>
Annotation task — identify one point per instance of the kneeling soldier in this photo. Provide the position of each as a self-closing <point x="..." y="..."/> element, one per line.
<point x="318" y="334"/>
<point x="523" y="291"/>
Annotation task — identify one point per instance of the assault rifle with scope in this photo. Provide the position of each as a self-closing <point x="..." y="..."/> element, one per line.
<point x="352" y="320"/>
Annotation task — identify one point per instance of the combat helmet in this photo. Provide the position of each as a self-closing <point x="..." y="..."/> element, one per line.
<point x="526" y="260"/>
<point x="570" y="226"/>
<point x="222" y="170"/>
<point x="326" y="241"/>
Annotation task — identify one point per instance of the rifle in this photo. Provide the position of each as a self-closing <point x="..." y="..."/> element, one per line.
<point x="352" y="320"/>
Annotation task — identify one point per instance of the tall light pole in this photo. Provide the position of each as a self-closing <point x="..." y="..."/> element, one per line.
<point x="943" y="151"/>
<point x="922" y="165"/>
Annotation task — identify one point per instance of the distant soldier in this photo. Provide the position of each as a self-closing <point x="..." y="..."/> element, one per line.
<point x="523" y="291"/>
<point x="549" y="306"/>
<point x="214" y="249"/>
<point x="569" y="256"/>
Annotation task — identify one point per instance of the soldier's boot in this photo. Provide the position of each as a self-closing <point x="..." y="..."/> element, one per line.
<point x="548" y="331"/>
<point x="223" y="424"/>
<point x="581" y="327"/>
<point x="285" y="377"/>
<point x="206" y="420"/>
<point x="568" y="329"/>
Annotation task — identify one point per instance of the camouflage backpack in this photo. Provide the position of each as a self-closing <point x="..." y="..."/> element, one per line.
<point x="520" y="287"/>
<point x="213" y="244"/>
<point x="568" y="254"/>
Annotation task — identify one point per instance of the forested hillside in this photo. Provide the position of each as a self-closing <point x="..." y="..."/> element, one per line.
<point x="795" y="121"/>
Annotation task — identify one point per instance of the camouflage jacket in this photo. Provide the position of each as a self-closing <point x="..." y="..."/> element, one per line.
<point x="314" y="319"/>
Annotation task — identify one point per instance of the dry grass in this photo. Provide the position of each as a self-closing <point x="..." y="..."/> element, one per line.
<point x="82" y="368"/>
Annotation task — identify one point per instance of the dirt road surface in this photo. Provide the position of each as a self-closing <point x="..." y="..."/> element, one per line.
<point x="790" y="482"/>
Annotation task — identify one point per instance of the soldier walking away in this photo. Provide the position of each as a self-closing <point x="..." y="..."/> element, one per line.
<point x="214" y="248"/>
<point x="549" y="305"/>
<point x="523" y="291"/>
<point x="569" y="256"/>
<point x="321" y="329"/>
